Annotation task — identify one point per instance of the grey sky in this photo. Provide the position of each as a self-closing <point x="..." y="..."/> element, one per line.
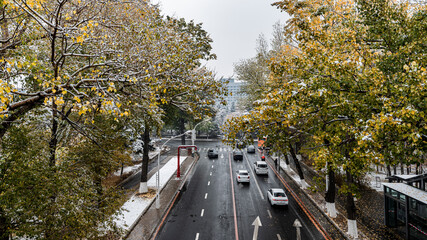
<point x="234" y="26"/>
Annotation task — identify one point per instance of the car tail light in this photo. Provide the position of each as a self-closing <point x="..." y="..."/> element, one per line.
<point x="238" y="177"/>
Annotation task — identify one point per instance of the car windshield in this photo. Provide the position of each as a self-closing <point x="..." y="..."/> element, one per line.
<point x="279" y="194"/>
<point x="262" y="165"/>
<point x="243" y="173"/>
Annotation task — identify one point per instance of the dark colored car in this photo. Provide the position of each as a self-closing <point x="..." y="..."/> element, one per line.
<point x="237" y="155"/>
<point x="251" y="149"/>
<point x="212" y="153"/>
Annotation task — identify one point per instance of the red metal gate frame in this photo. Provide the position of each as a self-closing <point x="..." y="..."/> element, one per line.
<point x="178" y="171"/>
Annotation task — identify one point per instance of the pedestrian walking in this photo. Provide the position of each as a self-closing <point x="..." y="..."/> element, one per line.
<point x="262" y="158"/>
<point x="275" y="163"/>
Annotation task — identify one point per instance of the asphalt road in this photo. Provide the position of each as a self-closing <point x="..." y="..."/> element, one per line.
<point x="215" y="206"/>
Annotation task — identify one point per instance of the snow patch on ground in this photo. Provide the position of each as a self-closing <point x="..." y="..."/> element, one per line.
<point x="135" y="206"/>
<point x="293" y="175"/>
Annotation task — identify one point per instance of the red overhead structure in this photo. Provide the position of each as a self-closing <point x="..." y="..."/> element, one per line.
<point x="189" y="147"/>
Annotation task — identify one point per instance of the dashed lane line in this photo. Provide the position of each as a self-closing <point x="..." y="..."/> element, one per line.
<point x="254" y="178"/>
<point x="269" y="213"/>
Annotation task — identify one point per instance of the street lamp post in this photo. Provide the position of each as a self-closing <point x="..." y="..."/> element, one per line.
<point x="158" y="169"/>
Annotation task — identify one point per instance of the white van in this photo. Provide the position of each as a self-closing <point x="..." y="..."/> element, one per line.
<point x="260" y="167"/>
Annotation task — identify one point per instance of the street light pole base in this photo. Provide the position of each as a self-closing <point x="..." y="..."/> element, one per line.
<point x="158" y="202"/>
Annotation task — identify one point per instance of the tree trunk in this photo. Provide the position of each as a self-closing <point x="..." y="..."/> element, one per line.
<point x="49" y="232"/>
<point x="330" y="193"/>
<point x="54" y="136"/>
<point x="145" y="159"/>
<point x="182" y="129"/>
<point x="99" y="191"/>
<point x="351" y="209"/>
<point x="388" y="170"/>
<point x="298" y="166"/>
<point x="4" y="233"/>
<point x="394" y="169"/>
<point x="286" y="159"/>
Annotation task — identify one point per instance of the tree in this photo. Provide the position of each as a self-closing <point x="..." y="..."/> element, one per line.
<point x="254" y="72"/>
<point x="340" y="90"/>
<point x="75" y="72"/>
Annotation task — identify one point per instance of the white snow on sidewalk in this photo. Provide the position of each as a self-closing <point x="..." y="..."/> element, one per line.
<point x="291" y="173"/>
<point x="135" y="206"/>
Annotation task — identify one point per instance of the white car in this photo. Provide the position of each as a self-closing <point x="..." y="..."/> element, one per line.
<point x="242" y="176"/>
<point x="260" y="167"/>
<point x="277" y="196"/>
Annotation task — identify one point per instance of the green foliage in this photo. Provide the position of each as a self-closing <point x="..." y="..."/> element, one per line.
<point x="80" y="75"/>
<point x="353" y="88"/>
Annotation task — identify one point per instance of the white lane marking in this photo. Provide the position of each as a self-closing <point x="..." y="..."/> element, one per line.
<point x="209" y="183"/>
<point x="278" y="237"/>
<point x="212" y="166"/>
<point x="254" y="178"/>
<point x="210" y="174"/>
<point x="203" y="212"/>
<point x="269" y="213"/>
<point x="197" y="236"/>
<point x="213" y="160"/>
<point x="206" y="195"/>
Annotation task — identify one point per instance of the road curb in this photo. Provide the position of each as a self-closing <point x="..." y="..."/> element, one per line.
<point x="131" y="228"/>
<point x="174" y="196"/>
<point x="343" y="234"/>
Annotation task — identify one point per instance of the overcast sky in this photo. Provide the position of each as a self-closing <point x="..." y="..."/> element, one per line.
<point x="234" y="26"/>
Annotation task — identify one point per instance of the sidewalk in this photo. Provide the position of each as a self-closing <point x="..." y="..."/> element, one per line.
<point x="149" y="218"/>
<point x="340" y="222"/>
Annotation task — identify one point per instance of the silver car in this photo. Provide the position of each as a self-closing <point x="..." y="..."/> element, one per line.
<point x="242" y="176"/>
<point x="251" y="149"/>
<point x="277" y="196"/>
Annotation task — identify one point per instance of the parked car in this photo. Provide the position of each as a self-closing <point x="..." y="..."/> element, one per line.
<point x="277" y="196"/>
<point x="242" y="176"/>
<point x="212" y="153"/>
<point x="260" y="167"/>
<point x="238" y="155"/>
<point x="250" y="149"/>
